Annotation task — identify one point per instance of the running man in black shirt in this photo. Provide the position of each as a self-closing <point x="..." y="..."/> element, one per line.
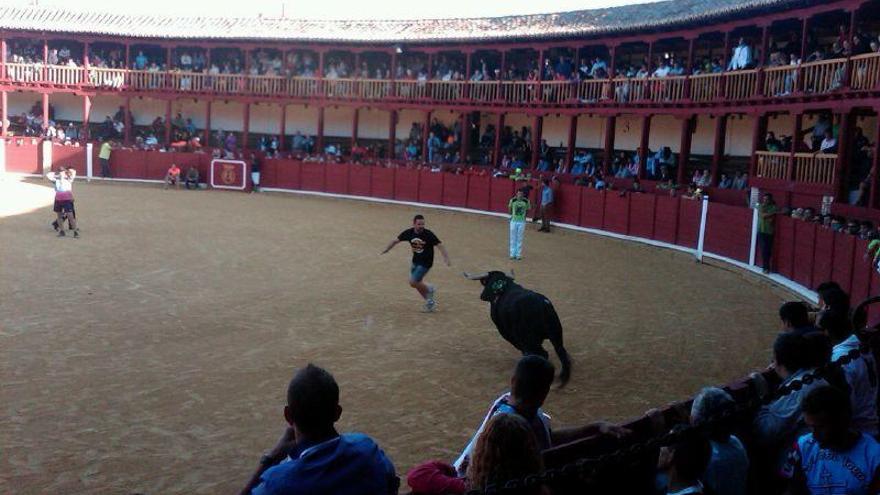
<point x="422" y="242"/>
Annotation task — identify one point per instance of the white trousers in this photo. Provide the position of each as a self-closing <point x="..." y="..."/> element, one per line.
<point x="255" y="178"/>
<point x="517" y="231"/>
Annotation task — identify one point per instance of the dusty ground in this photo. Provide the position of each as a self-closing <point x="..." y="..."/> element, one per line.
<point x="152" y="355"/>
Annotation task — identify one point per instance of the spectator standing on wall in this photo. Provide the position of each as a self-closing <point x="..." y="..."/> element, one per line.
<point x="766" y="228"/>
<point x="104" y="158"/>
<point x="519" y="206"/>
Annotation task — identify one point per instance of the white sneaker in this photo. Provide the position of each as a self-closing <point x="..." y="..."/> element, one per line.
<point x="430" y="306"/>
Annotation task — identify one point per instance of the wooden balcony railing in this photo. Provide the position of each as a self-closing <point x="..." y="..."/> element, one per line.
<point x="706" y="87"/>
<point x="411" y="90"/>
<point x="740" y="85"/>
<point x="814" y="168"/>
<point x="774" y="165"/>
<point x="485" y="91"/>
<point x="780" y="81"/>
<point x="824" y="76"/>
<point x="817" y="78"/>
<point x="666" y="89"/>
<point x="593" y="90"/>
<point x="558" y="92"/>
<point x="865" y="71"/>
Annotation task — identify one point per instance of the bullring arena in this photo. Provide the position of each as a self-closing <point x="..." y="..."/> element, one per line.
<point x="155" y="350"/>
<point x="709" y="173"/>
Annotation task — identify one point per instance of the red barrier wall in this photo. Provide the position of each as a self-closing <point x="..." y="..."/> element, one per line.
<point x="406" y="185"/>
<point x="455" y="190"/>
<point x="359" y="178"/>
<point x="431" y="187"/>
<point x="313" y="176"/>
<point x="23" y="157"/>
<point x="666" y="219"/>
<point x="288" y="174"/>
<point x="804" y="247"/>
<point x="568" y="204"/>
<point x="382" y="182"/>
<point x="74" y="156"/>
<point x="842" y="263"/>
<point x="641" y="215"/>
<point x="728" y="231"/>
<point x="688" y="222"/>
<point x="783" y="249"/>
<point x="616" y="217"/>
<point x="592" y="208"/>
<point x="501" y="190"/>
<point x="478" y="192"/>
<point x="337" y="178"/>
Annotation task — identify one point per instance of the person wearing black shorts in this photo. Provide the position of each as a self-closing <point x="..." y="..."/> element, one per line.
<point x="422" y="242"/>
<point x="63" y="208"/>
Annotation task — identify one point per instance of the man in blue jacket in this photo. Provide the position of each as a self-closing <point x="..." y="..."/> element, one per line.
<point x="311" y="457"/>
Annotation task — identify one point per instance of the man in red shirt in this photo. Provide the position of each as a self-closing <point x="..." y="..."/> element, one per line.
<point x="173" y="176"/>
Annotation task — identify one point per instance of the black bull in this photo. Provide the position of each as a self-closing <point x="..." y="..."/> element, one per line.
<point x="523" y="317"/>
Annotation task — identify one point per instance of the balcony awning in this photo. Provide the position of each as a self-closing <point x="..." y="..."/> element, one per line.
<point x="594" y="22"/>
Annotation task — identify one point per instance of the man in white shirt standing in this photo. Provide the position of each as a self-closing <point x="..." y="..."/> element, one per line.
<point x="742" y="56"/>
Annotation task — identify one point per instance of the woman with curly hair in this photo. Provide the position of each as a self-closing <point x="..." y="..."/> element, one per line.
<point x="506" y="450"/>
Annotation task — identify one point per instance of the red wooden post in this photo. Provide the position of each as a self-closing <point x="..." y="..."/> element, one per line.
<point x="128" y="55"/>
<point x="426" y="130"/>
<point x="354" y="126"/>
<point x="684" y="152"/>
<point x="465" y="137"/>
<point x="4" y="112"/>
<point x="467" y="74"/>
<point x="168" y="122"/>
<point x="689" y="69"/>
<point x="725" y="60"/>
<point x="612" y="72"/>
<point x="499" y="128"/>
<point x="646" y="90"/>
<point x="45" y="60"/>
<point x="282" y="128"/>
<point x="718" y="151"/>
<point x="321" y="64"/>
<point x="758" y="132"/>
<point x="501" y="76"/>
<point x="842" y="167"/>
<point x="208" y="125"/>
<point x="804" y="26"/>
<point x="610" y="132"/>
<point x="759" y="87"/>
<point x="847" y="73"/>
<point x="537" y="123"/>
<point x="875" y="165"/>
<point x="538" y="90"/>
<point x="45" y="98"/>
<point x="643" y="146"/>
<point x="87" y="110"/>
<point x="127" y="121"/>
<point x="392" y="133"/>
<point x="319" y="141"/>
<point x="246" y="125"/>
<point x="795" y="132"/>
<point x="572" y="141"/>
<point x="393" y="92"/>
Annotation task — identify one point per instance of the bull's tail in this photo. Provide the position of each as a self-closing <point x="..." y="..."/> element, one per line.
<point x="555" y="337"/>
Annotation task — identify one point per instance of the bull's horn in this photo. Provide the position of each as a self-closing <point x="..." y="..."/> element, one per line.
<point x="475" y="276"/>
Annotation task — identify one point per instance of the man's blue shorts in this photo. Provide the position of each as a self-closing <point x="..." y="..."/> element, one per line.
<point x="418" y="272"/>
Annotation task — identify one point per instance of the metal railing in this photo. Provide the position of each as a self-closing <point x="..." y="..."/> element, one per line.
<point x="862" y="73"/>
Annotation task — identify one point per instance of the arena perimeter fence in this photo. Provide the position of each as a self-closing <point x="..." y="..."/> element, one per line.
<point x="805" y="254"/>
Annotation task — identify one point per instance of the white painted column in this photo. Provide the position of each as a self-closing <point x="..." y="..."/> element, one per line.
<point x="702" y="237"/>
<point x="88" y="161"/>
<point x="47" y="156"/>
<point x="753" y="243"/>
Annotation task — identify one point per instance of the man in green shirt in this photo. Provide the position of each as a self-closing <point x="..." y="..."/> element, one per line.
<point x="104" y="158"/>
<point x="766" y="228"/>
<point x="518" y="207"/>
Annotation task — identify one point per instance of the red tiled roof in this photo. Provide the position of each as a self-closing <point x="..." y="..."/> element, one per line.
<point x="565" y="24"/>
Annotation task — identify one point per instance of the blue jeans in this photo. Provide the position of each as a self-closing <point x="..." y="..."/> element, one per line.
<point x="418" y="272"/>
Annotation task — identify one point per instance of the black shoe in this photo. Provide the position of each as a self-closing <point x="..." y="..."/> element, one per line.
<point x="61" y="233"/>
<point x="76" y="234"/>
<point x="55" y="225"/>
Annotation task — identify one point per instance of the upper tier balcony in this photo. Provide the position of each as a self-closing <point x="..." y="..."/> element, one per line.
<point x="856" y="74"/>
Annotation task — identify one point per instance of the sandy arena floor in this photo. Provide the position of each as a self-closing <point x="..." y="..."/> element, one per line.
<point x="152" y="355"/>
